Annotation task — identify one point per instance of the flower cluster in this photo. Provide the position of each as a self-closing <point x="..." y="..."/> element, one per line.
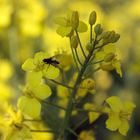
<point x="73" y="90"/>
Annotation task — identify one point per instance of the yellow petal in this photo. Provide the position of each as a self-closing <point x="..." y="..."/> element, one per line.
<point x="34" y="78"/>
<point x="129" y="106"/>
<point x="88" y="106"/>
<point x="93" y="116"/>
<point x="124" y="127"/>
<point x="39" y="56"/>
<point x="113" y="122"/>
<point x="117" y="66"/>
<point x="28" y="65"/>
<point x="29" y="106"/>
<point x="42" y="91"/>
<point x="109" y="48"/>
<point x="115" y="103"/>
<point x="51" y="72"/>
<point x="100" y="55"/>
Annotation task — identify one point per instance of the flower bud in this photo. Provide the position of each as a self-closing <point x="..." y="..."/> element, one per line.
<point x="109" y="57"/>
<point x="88" y="84"/>
<point x="116" y="38"/>
<point x="111" y="36"/>
<point x="98" y="30"/>
<point x="74" y="42"/>
<point x="75" y="20"/>
<point x="106" y="66"/>
<point x="105" y="35"/>
<point x="92" y="18"/>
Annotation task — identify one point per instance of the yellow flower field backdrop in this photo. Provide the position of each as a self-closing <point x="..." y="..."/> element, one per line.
<point x="28" y="26"/>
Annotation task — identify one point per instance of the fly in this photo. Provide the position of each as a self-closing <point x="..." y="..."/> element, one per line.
<point x="50" y="61"/>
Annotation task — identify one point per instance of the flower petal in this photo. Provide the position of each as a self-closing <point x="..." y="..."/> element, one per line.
<point x="115" y="103"/>
<point x="34" y="78"/>
<point x="42" y="91"/>
<point x="39" y="56"/>
<point x="29" y="106"/>
<point x="100" y="55"/>
<point x="129" y="106"/>
<point x="50" y="72"/>
<point x="124" y="127"/>
<point x="117" y="66"/>
<point x="28" y="65"/>
<point x="93" y="116"/>
<point x="113" y="122"/>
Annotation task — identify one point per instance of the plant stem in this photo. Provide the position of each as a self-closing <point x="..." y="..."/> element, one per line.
<point x="42" y="131"/>
<point x="90" y="33"/>
<point x="80" y="43"/>
<point x="29" y="120"/>
<point x="73" y="94"/>
<point x="52" y="104"/>
<point x="56" y="82"/>
<point x="80" y="123"/>
<point x="77" y="57"/>
<point x="74" y="133"/>
<point x="74" y="56"/>
<point x="96" y="62"/>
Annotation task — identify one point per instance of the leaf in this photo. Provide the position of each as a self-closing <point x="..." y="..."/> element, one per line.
<point x="63" y="31"/>
<point x="82" y="27"/>
<point x="60" y="21"/>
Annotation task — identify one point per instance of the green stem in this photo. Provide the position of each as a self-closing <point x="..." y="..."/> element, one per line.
<point x="52" y="104"/>
<point x="42" y="131"/>
<point x="90" y="33"/>
<point x="96" y="62"/>
<point x="56" y="82"/>
<point x="80" y="123"/>
<point x="74" y="133"/>
<point x="74" y="56"/>
<point x="80" y="43"/>
<point x="77" y="57"/>
<point x="29" y="120"/>
<point x="73" y="94"/>
<point x="89" y="110"/>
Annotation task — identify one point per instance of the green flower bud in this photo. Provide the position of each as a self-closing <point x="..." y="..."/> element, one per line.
<point x="108" y="36"/>
<point x="98" y="29"/>
<point x="116" y="38"/>
<point x="109" y="57"/>
<point x="92" y="18"/>
<point x="106" y="66"/>
<point x="105" y="35"/>
<point x="74" y="42"/>
<point x="89" y="46"/>
<point x="75" y="20"/>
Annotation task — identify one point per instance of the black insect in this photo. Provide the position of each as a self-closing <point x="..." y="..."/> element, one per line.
<point x="50" y="61"/>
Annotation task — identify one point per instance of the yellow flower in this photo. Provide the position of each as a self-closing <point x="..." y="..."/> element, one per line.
<point x="110" y="60"/>
<point x="30" y="103"/>
<point x="87" y="135"/>
<point x="12" y="125"/>
<point x="37" y="69"/>
<point x="119" y="114"/>
<point x="87" y="85"/>
<point x="92" y="114"/>
<point x="5" y="18"/>
<point x="6" y="70"/>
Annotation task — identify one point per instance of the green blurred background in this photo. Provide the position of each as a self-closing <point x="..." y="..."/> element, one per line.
<point x="27" y="26"/>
